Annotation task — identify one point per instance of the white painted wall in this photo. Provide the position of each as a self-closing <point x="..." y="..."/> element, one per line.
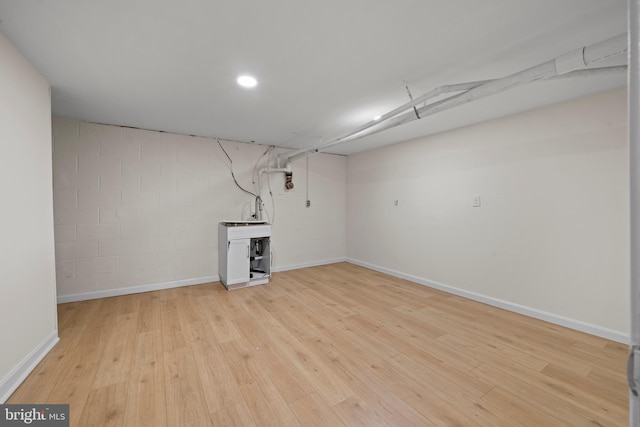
<point x="136" y="209"/>
<point x="27" y="275"/>
<point x="551" y="234"/>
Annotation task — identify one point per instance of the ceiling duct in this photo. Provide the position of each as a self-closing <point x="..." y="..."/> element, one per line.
<point x="571" y="64"/>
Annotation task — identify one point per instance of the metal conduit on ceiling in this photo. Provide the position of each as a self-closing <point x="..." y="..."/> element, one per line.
<point x="571" y="64"/>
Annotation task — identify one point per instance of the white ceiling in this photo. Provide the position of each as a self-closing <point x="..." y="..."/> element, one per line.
<point x="323" y="67"/>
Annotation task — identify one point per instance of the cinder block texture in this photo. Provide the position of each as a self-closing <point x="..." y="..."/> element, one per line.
<point x="136" y="207"/>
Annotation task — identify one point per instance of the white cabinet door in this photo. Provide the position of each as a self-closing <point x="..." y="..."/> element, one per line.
<point x="237" y="261"/>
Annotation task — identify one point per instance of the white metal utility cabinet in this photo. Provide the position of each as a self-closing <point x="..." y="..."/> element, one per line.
<point x="244" y="254"/>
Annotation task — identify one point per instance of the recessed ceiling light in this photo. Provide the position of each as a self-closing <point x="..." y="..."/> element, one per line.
<point x="247" y="81"/>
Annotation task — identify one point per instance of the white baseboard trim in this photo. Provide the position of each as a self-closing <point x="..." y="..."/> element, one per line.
<point x="578" y="325"/>
<point x="12" y="381"/>
<point x="176" y="284"/>
<point x="308" y="264"/>
<point x="136" y="289"/>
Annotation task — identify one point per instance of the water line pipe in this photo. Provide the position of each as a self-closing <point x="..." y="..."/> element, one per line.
<point x="286" y="170"/>
<point x="296" y="154"/>
<point x="469" y="96"/>
<point x="258" y="202"/>
<point x="564" y="65"/>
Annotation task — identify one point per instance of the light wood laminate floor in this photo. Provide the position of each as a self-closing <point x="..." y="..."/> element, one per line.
<point x="336" y="345"/>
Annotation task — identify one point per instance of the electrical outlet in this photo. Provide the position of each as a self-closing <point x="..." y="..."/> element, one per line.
<point x="395" y="202"/>
<point x="476" y="201"/>
<point x="308" y="203"/>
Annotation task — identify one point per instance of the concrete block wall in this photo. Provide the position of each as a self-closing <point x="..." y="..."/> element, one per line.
<point x="136" y="208"/>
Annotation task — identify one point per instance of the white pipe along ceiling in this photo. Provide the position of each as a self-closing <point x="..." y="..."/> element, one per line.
<point x="571" y="64"/>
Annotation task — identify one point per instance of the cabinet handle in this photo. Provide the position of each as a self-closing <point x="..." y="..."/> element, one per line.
<point x="248" y="251"/>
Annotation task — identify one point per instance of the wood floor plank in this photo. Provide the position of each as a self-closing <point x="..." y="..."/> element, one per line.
<point x="73" y="314"/>
<point x="452" y="383"/>
<point x="396" y="319"/>
<point x="290" y="383"/>
<point x="323" y="307"/>
<point x="354" y="367"/>
<point x="219" y="387"/>
<point x="555" y="398"/>
<point x="605" y="379"/>
<point x="330" y="345"/>
<point x="330" y="386"/>
<point x="190" y="309"/>
<point x="234" y="416"/>
<point x="146" y="394"/>
<point x="150" y="314"/>
<point x="228" y="305"/>
<point x="251" y="305"/>
<point x="364" y="339"/>
<point x="174" y="335"/>
<point x="105" y="406"/>
<point x="115" y="363"/>
<point x="222" y="325"/>
<point x="264" y="401"/>
<point x="482" y="345"/>
<point x="602" y="391"/>
<point x="483" y="353"/>
<point x="78" y="370"/>
<point x="311" y="410"/>
<point x="425" y="349"/>
<point x="427" y="399"/>
<point x="515" y="410"/>
<point x="355" y="412"/>
<point x="186" y="404"/>
<point x="74" y="387"/>
<point x="596" y="356"/>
